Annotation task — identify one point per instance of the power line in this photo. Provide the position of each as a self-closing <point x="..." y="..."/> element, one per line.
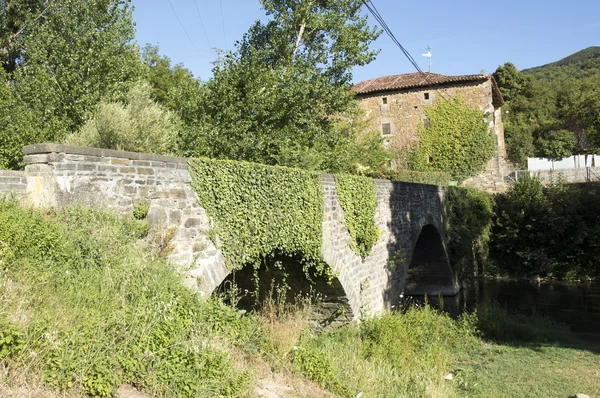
<point x="182" y="27"/>
<point x="373" y="10"/>
<point x="202" y="23"/>
<point x="223" y="21"/>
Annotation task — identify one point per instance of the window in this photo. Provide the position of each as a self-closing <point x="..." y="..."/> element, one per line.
<point x="384" y="100"/>
<point x="386" y="129"/>
<point x="426" y="96"/>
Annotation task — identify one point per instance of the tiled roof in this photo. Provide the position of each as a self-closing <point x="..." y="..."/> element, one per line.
<point x="415" y="80"/>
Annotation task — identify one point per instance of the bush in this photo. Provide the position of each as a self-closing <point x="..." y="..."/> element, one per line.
<point x="396" y="355"/>
<point x="549" y="232"/>
<point x="420" y="177"/>
<point x="556" y="144"/>
<point x="139" y="125"/>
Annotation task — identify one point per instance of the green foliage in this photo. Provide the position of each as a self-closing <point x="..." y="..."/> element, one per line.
<point x="113" y="312"/>
<point x="546" y="231"/>
<point x="60" y="66"/>
<point x="510" y="81"/>
<point x="260" y="211"/>
<point x="559" y="96"/>
<point x="518" y="137"/>
<point x="140" y="209"/>
<point x="467" y="216"/>
<point x="357" y="198"/>
<point x="318" y="367"/>
<point x="581" y="110"/>
<point x="457" y="142"/>
<point x="140" y="125"/>
<point x="283" y="97"/>
<point x="556" y="144"/>
<point x="396" y="355"/>
<point x="11" y="340"/>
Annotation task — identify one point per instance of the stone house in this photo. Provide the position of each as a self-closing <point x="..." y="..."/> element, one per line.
<point x="395" y="106"/>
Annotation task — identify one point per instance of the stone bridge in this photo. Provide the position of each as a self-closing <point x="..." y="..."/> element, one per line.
<point x="410" y="256"/>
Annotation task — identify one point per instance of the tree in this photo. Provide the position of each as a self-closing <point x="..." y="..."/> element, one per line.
<point x="16" y="20"/>
<point x="457" y="141"/>
<point x="510" y="81"/>
<point x="556" y="144"/>
<point x="582" y="109"/>
<point x="68" y="56"/>
<point x="277" y="99"/>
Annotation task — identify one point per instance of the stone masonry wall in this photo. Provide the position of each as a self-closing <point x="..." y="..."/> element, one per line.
<point x="373" y="285"/>
<point x="13" y="183"/>
<point x="60" y="175"/>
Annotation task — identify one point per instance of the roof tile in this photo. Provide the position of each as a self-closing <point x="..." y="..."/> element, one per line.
<point x="414" y="80"/>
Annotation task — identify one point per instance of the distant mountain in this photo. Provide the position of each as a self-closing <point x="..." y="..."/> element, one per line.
<point x="582" y="64"/>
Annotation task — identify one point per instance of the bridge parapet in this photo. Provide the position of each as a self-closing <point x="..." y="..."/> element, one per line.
<point x="62" y="175"/>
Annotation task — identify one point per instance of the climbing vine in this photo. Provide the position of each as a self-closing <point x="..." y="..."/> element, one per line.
<point x="259" y="210"/>
<point x="457" y="141"/>
<point x="357" y="198"/>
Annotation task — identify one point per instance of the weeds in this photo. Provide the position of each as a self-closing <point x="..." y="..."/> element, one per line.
<point x="103" y="311"/>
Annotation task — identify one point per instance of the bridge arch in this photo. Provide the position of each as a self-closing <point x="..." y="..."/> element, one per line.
<point x="281" y="283"/>
<point x="429" y="270"/>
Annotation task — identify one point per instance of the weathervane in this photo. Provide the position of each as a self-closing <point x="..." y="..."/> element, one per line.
<point x="428" y="56"/>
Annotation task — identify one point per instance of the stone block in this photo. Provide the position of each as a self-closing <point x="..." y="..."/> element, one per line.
<point x="145" y="171"/>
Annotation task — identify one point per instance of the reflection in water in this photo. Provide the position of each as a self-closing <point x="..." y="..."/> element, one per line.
<point x="576" y="305"/>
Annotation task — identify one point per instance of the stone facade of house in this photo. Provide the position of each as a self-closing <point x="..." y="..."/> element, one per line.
<point x="395" y="106"/>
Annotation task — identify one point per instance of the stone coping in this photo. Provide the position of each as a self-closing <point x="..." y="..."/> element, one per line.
<point x="38" y="149"/>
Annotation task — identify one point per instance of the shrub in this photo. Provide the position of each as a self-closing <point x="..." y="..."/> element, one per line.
<point x="546" y="231"/>
<point x="420" y="177"/>
<point x="139" y="124"/>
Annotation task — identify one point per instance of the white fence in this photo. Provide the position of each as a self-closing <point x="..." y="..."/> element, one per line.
<point x="573" y="162"/>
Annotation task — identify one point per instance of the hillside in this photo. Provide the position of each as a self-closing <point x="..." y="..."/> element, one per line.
<point x="582" y="64"/>
<point x="552" y="109"/>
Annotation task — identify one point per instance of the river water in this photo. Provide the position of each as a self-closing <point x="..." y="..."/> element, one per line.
<point x="576" y="305"/>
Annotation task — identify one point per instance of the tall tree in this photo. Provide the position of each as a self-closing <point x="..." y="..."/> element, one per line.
<point x="277" y="98"/>
<point x="69" y="55"/>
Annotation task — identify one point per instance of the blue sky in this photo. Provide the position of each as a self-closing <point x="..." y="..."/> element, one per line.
<point x="465" y="36"/>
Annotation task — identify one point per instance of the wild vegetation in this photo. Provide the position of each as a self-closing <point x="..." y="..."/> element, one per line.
<point x="549" y="232"/>
<point x="552" y="110"/>
<point x="88" y="303"/>
<point x="70" y="69"/>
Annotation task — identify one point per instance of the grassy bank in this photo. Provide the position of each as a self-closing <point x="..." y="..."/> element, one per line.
<point x="87" y="304"/>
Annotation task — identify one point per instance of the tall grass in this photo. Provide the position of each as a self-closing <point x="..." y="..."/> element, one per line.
<point x="402" y="354"/>
<point x="93" y="309"/>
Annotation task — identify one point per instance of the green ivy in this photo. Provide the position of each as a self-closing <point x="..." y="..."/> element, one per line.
<point x="261" y="210"/>
<point x="457" y="141"/>
<point x="357" y="198"/>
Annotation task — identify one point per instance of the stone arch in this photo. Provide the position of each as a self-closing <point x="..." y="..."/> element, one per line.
<point x="429" y="270"/>
<point x="287" y="283"/>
